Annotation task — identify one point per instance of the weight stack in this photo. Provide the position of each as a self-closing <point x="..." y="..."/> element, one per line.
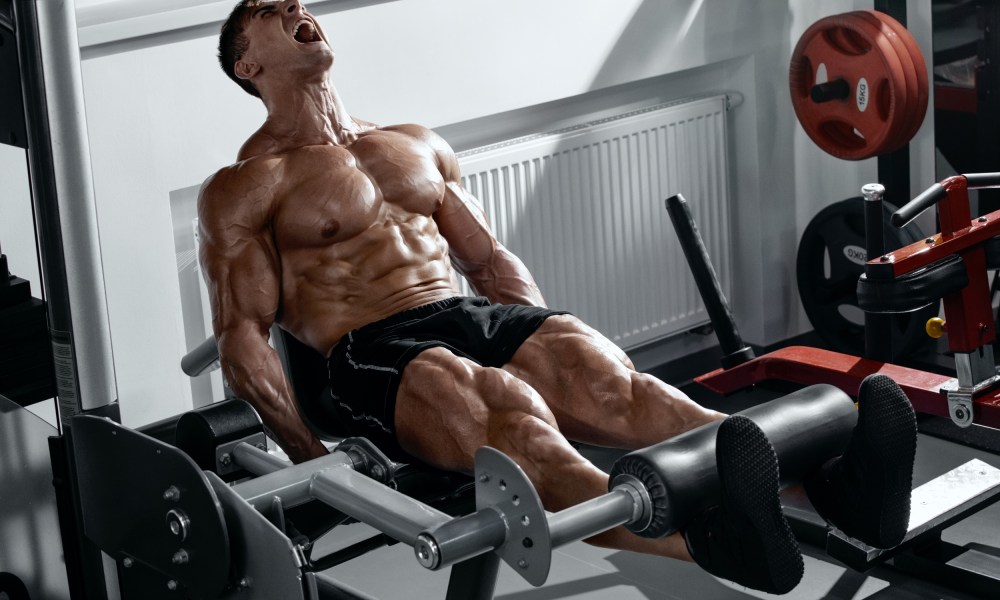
<point x="26" y="370"/>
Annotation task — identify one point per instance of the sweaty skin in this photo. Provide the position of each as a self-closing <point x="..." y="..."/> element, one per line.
<point x="327" y="223"/>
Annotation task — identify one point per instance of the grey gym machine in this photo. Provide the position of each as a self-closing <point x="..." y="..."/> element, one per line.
<point x="167" y="515"/>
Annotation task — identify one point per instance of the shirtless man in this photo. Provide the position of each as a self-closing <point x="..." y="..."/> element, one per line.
<point x="351" y="237"/>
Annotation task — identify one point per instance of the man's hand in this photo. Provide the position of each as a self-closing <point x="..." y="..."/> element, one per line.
<point x="315" y="450"/>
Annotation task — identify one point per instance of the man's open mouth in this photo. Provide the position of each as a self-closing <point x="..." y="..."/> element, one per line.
<point x="305" y="32"/>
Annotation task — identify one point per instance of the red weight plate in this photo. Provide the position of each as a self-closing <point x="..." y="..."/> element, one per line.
<point x="919" y="66"/>
<point x="854" y="50"/>
<point x="850" y="49"/>
<point x="898" y="138"/>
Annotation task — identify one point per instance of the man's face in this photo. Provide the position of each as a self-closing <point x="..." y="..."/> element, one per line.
<point x="284" y="35"/>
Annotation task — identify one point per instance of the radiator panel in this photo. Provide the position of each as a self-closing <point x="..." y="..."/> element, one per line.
<point x="584" y="209"/>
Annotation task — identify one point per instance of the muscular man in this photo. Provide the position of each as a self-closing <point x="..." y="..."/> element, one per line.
<point x="351" y="237"/>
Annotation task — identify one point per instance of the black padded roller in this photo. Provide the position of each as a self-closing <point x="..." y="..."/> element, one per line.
<point x="807" y="428"/>
<point x="199" y="432"/>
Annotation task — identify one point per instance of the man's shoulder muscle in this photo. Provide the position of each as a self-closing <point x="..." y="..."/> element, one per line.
<point x="241" y="194"/>
<point x="447" y="162"/>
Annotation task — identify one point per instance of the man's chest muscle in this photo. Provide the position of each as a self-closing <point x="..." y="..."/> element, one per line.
<point x="334" y="194"/>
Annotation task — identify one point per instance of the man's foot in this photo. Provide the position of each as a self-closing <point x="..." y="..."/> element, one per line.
<point x="866" y="492"/>
<point x="746" y="538"/>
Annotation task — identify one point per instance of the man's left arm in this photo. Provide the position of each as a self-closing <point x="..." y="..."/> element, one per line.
<point x="492" y="270"/>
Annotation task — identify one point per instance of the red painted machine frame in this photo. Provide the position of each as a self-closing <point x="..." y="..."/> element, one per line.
<point x="968" y="312"/>
<point x="808" y="366"/>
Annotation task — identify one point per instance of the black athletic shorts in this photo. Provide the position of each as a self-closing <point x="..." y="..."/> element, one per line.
<point x="366" y="366"/>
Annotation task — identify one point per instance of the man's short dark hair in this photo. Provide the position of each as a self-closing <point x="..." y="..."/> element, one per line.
<point x="233" y="43"/>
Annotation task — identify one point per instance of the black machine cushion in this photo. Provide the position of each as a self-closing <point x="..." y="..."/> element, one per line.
<point x="807" y="428"/>
<point x="913" y="290"/>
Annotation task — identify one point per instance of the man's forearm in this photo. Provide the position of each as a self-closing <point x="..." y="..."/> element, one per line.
<point x="504" y="279"/>
<point x="254" y="373"/>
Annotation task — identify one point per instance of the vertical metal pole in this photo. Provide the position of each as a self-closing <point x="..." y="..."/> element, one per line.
<point x="894" y="174"/>
<point x="878" y="327"/>
<point x="988" y="94"/>
<point x="894" y="168"/>
<point x="65" y="208"/>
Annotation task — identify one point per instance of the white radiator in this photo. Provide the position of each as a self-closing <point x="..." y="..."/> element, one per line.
<point x="584" y="209"/>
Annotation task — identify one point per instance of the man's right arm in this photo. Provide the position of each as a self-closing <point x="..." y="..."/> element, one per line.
<point x="240" y="266"/>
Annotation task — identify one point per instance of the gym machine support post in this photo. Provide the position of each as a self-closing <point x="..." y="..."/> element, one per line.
<point x="894" y="168"/>
<point x="62" y="192"/>
<point x="987" y="92"/>
<point x="49" y="122"/>
<point x="894" y="175"/>
<point x="878" y="327"/>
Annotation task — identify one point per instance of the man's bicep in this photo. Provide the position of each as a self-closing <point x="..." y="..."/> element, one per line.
<point x="242" y="277"/>
<point x="464" y="226"/>
<point x="490" y="269"/>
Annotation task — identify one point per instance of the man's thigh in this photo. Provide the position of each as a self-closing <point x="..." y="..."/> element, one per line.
<point x="587" y="381"/>
<point x="567" y="337"/>
<point x="448" y="406"/>
<point x="565" y="351"/>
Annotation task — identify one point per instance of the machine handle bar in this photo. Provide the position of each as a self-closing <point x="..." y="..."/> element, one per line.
<point x="922" y="202"/>
<point x="983" y="180"/>
<point x="938" y="192"/>
<point x="201" y="359"/>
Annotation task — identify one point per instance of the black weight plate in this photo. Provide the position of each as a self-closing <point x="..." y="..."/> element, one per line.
<point x="830" y="260"/>
<point x="12" y="588"/>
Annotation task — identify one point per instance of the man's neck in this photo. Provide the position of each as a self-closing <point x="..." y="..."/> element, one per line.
<point x="309" y="114"/>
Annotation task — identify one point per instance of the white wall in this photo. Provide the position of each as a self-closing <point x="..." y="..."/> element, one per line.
<point x="163" y="117"/>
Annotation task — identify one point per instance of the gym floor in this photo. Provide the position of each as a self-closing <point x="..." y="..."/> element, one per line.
<point x="582" y="572"/>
